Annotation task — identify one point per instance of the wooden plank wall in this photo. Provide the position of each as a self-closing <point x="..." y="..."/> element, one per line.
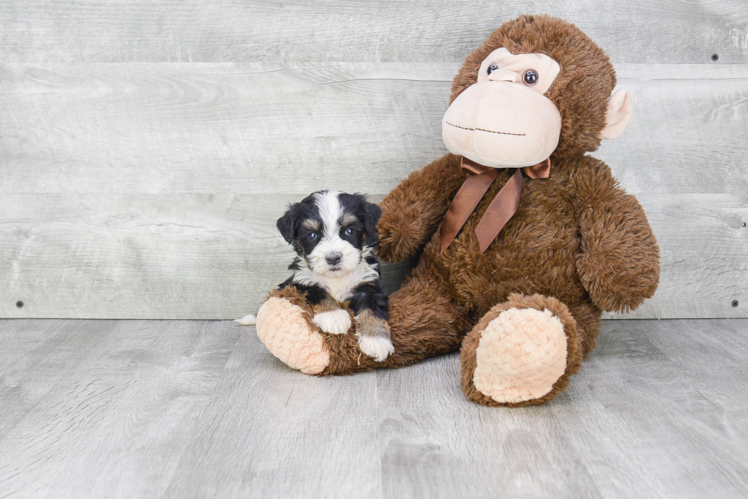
<point x="147" y="147"/>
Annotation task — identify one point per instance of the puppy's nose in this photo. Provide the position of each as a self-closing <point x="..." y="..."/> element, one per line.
<point x="333" y="259"/>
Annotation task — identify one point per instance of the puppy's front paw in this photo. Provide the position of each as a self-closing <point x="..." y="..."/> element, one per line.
<point x="336" y="322"/>
<point x="376" y="347"/>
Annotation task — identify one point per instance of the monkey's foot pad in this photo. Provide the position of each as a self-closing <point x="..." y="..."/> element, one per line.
<point x="521" y="354"/>
<point x="286" y="332"/>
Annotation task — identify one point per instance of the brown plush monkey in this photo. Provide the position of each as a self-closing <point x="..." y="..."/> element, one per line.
<point x="524" y="238"/>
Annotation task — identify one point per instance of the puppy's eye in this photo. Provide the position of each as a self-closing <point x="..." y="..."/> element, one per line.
<point x="530" y="77"/>
<point x="312" y="236"/>
<point x="493" y="67"/>
<point x="349" y="231"/>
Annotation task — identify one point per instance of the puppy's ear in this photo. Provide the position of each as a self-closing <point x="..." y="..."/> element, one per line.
<point x="287" y="224"/>
<point x="372" y="213"/>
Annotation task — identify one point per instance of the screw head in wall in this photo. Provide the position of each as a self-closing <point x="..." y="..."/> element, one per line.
<point x="19" y="304"/>
<point x="735" y="303"/>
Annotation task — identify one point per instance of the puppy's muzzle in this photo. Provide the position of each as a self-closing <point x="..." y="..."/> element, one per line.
<point x="333" y="259"/>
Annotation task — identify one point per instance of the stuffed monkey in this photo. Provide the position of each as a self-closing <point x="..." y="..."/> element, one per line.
<point x="523" y="239"/>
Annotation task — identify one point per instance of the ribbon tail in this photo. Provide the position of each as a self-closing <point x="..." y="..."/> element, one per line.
<point x="501" y="209"/>
<point x="463" y="204"/>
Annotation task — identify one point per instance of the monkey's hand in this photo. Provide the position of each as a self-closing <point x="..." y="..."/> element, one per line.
<point x="412" y="212"/>
<point x="402" y="231"/>
<point x="619" y="263"/>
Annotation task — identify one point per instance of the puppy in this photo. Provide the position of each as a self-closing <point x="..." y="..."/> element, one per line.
<point x="334" y="237"/>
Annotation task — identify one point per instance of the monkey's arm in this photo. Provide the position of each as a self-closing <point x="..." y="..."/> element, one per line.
<point x="412" y="212"/>
<point x="619" y="263"/>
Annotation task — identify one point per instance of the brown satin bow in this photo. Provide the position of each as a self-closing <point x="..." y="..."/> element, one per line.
<point x="501" y="209"/>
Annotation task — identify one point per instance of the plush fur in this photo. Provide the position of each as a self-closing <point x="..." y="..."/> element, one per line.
<point x="577" y="245"/>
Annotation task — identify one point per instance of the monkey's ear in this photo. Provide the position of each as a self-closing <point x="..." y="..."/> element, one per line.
<point x="286" y="225"/>
<point x="618" y="115"/>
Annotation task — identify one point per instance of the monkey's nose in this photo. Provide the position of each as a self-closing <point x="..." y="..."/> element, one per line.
<point x="503" y="75"/>
<point x="333" y="259"/>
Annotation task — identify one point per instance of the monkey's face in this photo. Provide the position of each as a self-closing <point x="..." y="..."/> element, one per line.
<point x="505" y="119"/>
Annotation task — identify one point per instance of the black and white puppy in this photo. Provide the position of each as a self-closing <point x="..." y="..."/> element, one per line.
<point x="334" y="236"/>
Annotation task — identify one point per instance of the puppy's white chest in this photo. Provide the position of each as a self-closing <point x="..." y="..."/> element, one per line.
<point x="340" y="288"/>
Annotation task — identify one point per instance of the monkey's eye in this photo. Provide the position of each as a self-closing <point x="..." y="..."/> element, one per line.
<point x="349" y="231"/>
<point x="493" y="67"/>
<point x="312" y="236"/>
<point x="530" y="77"/>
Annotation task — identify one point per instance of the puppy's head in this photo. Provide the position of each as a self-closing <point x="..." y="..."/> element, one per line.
<point x="331" y="231"/>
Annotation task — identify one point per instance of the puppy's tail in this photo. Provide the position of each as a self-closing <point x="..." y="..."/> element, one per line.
<point x="248" y="320"/>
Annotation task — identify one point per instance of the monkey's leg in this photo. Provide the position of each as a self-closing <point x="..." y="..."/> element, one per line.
<point x="522" y="352"/>
<point x="423" y="322"/>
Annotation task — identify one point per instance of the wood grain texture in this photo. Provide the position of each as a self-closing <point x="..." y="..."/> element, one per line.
<point x="151" y="190"/>
<point x="641" y="409"/>
<point x="682" y="31"/>
<point x="703" y="248"/>
<point x="215" y="128"/>
<point x="35" y="356"/>
<point x="433" y="445"/>
<point x="115" y="422"/>
<point x="270" y="431"/>
<point x="196" y="256"/>
<point x="202" y="409"/>
<point x="272" y="128"/>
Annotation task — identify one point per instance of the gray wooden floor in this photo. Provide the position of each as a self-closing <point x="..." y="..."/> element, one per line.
<point x="200" y="408"/>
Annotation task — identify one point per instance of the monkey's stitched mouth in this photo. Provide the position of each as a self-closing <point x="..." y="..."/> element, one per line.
<point x="484" y="130"/>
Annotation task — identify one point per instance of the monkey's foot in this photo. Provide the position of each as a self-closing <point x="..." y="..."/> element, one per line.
<point x="283" y="326"/>
<point x="521" y="352"/>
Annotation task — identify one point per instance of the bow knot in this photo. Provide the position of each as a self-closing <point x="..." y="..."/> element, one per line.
<point x="501" y="209"/>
